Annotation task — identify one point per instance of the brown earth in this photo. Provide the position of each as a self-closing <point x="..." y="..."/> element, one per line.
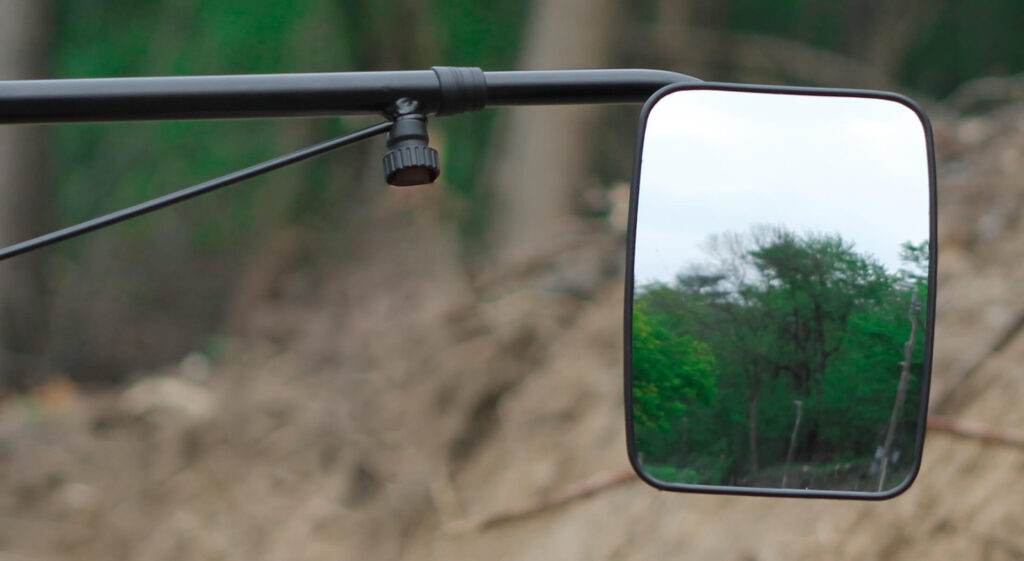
<point x="377" y="408"/>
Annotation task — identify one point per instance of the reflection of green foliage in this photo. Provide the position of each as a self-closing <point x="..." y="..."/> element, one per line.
<point x="916" y="258"/>
<point x="674" y="474"/>
<point x="787" y="318"/>
<point x="670" y="373"/>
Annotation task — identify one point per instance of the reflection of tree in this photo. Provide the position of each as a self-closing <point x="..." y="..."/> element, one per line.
<point x="787" y="317"/>
<point x="812" y="285"/>
<point x="670" y="373"/>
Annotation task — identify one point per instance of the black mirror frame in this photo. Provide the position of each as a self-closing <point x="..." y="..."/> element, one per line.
<point x="629" y="289"/>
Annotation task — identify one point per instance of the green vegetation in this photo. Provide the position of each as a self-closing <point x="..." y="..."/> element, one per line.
<point x="782" y="326"/>
<point x="930" y="47"/>
<point x="106" y="167"/>
<point x="176" y="272"/>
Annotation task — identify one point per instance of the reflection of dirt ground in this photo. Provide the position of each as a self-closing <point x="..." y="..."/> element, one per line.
<point x="360" y="421"/>
<point x="856" y="475"/>
<point x="841" y="476"/>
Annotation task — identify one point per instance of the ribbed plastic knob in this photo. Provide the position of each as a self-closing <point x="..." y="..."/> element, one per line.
<point x="411" y="165"/>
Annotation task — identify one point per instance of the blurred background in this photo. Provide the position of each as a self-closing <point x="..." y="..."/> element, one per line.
<point x="313" y="364"/>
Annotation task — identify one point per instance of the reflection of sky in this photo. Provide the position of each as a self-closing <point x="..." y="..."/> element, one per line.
<point x="716" y="161"/>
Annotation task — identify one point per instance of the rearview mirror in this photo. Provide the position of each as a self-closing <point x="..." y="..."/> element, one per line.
<point x="780" y="291"/>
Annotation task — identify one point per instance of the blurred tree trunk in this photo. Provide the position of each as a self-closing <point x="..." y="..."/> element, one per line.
<point x="544" y="152"/>
<point x="889" y="29"/>
<point x="24" y="37"/>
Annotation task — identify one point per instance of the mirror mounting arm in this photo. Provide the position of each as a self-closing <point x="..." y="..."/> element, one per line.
<point x="443" y="90"/>
<point x="405" y="98"/>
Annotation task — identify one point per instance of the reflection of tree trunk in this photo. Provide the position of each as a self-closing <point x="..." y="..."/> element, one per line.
<point x="792" y="441"/>
<point x="23" y="40"/>
<point x="901" y="389"/>
<point x="820" y="345"/>
<point x="752" y="403"/>
<point x="544" y="150"/>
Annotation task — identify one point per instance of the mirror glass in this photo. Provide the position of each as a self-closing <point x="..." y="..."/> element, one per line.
<point x="780" y="307"/>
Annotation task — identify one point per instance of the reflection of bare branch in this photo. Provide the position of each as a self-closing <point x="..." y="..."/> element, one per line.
<point x="977" y="431"/>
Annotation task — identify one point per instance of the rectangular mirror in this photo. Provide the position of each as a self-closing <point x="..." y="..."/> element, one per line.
<point x="780" y="291"/>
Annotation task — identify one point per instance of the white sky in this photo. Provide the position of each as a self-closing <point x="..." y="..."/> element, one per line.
<point x="718" y="161"/>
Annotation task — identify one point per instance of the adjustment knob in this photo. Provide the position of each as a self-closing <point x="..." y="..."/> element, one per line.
<point x="409" y="159"/>
<point x="411" y="165"/>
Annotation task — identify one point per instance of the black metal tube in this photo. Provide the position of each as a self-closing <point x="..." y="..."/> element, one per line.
<point x="211" y="97"/>
<point x="563" y="87"/>
<point x="295" y="95"/>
